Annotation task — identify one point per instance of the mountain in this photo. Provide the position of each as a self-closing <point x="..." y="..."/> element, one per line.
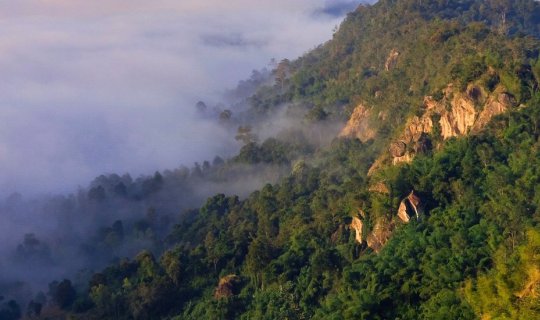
<point x="424" y="204"/>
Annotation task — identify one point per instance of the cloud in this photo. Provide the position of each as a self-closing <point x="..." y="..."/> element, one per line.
<point x="109" y="86"/>
<point x="338" y="8"/>
<point x="230" y="39"/>
<point x="90" y="87"/>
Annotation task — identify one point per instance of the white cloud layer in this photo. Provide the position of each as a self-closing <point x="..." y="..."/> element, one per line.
<point x="102" y="86"/>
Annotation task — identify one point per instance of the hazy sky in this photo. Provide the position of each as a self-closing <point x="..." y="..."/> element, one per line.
<point x="103" y="86"/>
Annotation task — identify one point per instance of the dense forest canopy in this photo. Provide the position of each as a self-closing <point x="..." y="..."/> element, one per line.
<point x="347" y="231"/>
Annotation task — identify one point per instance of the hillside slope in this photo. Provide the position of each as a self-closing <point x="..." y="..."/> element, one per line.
<point x="426" y="207"/>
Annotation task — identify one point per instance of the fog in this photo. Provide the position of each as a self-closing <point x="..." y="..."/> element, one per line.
<point x="92" y="87"/>
<point x="96" y="96"/>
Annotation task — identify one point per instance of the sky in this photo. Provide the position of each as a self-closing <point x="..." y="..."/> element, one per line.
<point x="109" y="86"/>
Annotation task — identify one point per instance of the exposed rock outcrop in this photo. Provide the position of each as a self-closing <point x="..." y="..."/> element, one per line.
<point x="415" y="136"/>
<point x="458" y="113"/>
<point x="379" y="187"/>
<point x="358" y="125"/>
<point x="459" y="119"/>
<point x="228" y="286"/>
<point x="381" y="233"/>
<point x="357" y="226"/>
<point x="496" y="104"/>
<point x="391" y="61"/>
<point x="410" y="207"/>
<point x="463" y="112"/>
<point x="406" y="158"/>
<point x="398" y="149"/>
<point x="455" y="113"/>
<point x="377" y="237"/>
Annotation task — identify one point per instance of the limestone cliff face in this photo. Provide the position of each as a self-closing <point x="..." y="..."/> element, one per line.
<point x="495" y="105"/>
<point x="391" y="61"/>
<point x="465" y="112"/>
<point x="357" y="226"/>
<point x="375" y="166"/>
<point x="411" y="207"/>
<point x="458" y="113"/>
<point x="413" y="139"/>
<point x="377" y="237"/>
<point x="358" y="125"/>
<point x="380" y="234"/>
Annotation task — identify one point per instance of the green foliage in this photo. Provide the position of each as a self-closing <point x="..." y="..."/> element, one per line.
<point x="282" y="239"/>
<point x="469" y="70"/>
<point x="512" y="82"/>
<point x="271" y="151"/>
<point x="474" y="252"/>
<point x="510" y="289"/>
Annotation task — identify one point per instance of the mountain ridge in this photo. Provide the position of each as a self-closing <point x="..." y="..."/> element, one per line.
<point x="426" y="207"/>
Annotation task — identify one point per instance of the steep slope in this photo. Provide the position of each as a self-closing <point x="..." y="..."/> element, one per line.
<point x="444" y="106"/>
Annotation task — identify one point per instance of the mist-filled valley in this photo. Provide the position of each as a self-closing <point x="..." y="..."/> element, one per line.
<point x="116" y="216"/>
<point x="93" y="88"/>
<point x="106" y="144"/>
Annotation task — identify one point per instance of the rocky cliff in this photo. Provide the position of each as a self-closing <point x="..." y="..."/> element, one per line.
<point x="380" y="234"/>
<point x="357" y="226"/>
<point x="392" y="60"/>
<point x="456" y="114"/>
<point x="359" y="125"/>
<point x="410" y="207"/>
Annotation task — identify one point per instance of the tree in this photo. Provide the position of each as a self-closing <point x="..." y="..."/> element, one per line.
<point x="147" y="266"/>
<point x="245" y="135"/>
<point x="502" y="7"/>
<point x="281" y="73"/>
<point x="120" y="189"/>
<point x="201" y="107"/>
<point x="9" y="310"/>
<point x="509" y="290"/>
<point x="32" y="249"/>
<point x="63" y="294"/>
<point x="97" y="194"/>
<point x="171" y="263"/>
<point x="317" y="114"/>
<point x="260" y="253"/>
<point x="218" y="161"/>
<point x="33" y="309"/>
<point x="225" y="116"/>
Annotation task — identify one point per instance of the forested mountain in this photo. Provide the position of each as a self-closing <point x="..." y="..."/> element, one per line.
<point x="426" y="205"/>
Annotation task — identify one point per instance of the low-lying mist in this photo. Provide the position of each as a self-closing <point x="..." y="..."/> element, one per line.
<point x="74" y="235"/>
<point x="101" y="87"/>
<point x="109" y="91"/>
